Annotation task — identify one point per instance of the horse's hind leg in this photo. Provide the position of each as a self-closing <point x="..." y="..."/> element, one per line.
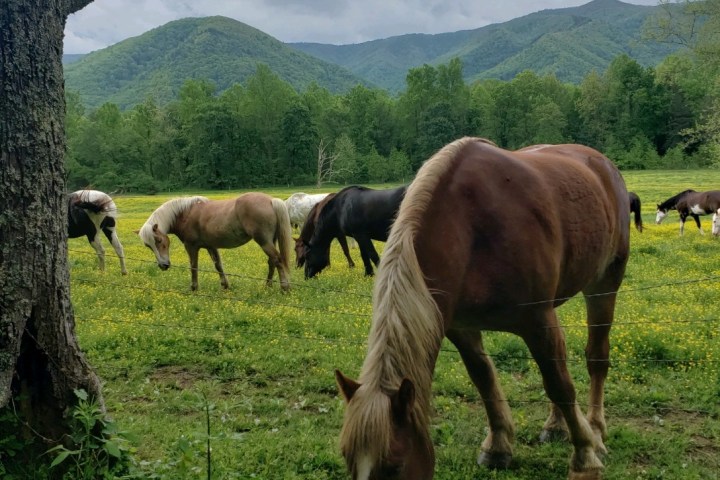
<point x="547" y="345"/>
<point x="368" y="254"/>
<point x="99" y="250"/>
<point x="274" y="262"/>
<point x="600" y="305"/>
<point x="215" y="255"/>
<point x="112" y="236"/>
<point x="497" y="447"/>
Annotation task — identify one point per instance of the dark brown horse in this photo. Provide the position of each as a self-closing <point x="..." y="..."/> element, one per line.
<point x="635" y="209"/>
<point x="453" y="267"/>
<point x="671" y="204"/>
<point x="698" y="203"/>
<point x="308" y="229"/>
<point x="212" y="224"/>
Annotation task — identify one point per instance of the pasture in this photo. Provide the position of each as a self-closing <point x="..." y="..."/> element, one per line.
<point x="257" y="365"/>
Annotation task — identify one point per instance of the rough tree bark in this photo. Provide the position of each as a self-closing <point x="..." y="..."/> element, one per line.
<point x="40" y="361"/>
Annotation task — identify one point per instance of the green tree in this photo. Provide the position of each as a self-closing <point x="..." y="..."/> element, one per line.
<point x="299" y="137"/>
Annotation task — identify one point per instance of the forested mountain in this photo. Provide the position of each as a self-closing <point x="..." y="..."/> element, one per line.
<point x="224" y="51"/>
<point x="568" y="42"/>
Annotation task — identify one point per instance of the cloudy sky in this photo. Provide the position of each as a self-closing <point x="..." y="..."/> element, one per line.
<point x="105" y="22"/>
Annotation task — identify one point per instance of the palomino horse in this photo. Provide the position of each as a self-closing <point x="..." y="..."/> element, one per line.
<point x="307" y="232"/>
<point x="89" y="213"/>
<point x="453" y="267"/>
<point x="635" y="209"/>
<point x="671" y="204"/>
<point x="299" y="206"/>
<point x="358" y="212"/>
<point x="212" y="224"/>
<point x="699" y="203"/>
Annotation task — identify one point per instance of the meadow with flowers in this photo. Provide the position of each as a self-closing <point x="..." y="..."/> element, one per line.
<point x="249" y="370"/>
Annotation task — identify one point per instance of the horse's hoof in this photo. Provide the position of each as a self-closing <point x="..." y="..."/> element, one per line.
<point x="594" y="474"/>
<point x="554" y="435"/>
<point x="497" y="460"/>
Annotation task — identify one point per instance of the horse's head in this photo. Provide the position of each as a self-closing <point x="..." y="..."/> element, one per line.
<point x="299" y="252"/>
<point x="380" y="439"/>
<point x="159" y="243"/>
<point x="661" y="214"/>
<point x="317" y="257"/>
<point x="716" y="222"/>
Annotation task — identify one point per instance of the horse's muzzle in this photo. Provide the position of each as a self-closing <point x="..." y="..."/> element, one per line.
<point x="164" y="266"/>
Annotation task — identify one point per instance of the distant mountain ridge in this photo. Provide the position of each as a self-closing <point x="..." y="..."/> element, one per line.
<point x="222" y="50"/>
<point x="567" y="42"/>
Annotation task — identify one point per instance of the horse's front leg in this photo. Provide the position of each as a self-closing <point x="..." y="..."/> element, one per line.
<point x="699" y="225"/>
<point x="215" y="255"/>
<point x="342" y="240"/>
<point x="193" y="256"/>
<point x="497" y="448"/>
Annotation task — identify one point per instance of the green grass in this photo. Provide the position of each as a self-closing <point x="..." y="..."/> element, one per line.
<point x="264" y="360"/>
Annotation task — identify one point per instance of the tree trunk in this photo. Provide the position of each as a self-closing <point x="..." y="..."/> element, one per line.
<point x="40" y="361"/>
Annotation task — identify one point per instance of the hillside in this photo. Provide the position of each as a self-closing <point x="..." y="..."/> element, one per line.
<point x="569" y="42"/>
<point x="157" y="63"/>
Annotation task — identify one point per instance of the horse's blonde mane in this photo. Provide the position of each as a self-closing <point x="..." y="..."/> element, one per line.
<point x="166" y="214"/>
<point x="406" y="323"/>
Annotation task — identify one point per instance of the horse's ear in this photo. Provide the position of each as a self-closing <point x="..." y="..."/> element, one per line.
<point x="347" y="385"/>
<point x="155" y="227"/>
<point x="403" y="401"/>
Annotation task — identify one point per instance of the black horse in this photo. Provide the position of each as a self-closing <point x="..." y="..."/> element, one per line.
<point x="359" y="212"/>
<point x="635" y="210"/>
<point x="89" y="213"/>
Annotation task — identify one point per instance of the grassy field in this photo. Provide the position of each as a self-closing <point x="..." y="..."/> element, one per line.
<point x="261" y="363"/>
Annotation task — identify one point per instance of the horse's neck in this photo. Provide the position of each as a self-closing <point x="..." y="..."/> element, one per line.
<point x="327" y="226"/>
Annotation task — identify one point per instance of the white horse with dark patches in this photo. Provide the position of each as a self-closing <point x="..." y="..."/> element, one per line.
<point x="299" y="206"/>
<point x="89" y="213"/>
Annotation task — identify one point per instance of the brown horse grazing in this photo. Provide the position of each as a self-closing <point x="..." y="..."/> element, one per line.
<point x="308" y="229"/>
<point x="698" y="203"/>
<point x="202" y="223"/>
<point x="453" y="267"/>
<point x="635" y="209"/>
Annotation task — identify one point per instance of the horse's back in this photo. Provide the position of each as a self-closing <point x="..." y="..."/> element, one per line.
<point x="365" y="210"/>
<point x="539" y="223"/>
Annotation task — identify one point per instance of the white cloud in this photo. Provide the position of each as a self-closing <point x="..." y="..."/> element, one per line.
<point x="105" y="22"/>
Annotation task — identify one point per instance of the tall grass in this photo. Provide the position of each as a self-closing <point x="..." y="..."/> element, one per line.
<point x="259" y="364"/>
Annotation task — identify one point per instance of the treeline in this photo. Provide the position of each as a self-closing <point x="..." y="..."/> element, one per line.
<point x="266" y="133"/>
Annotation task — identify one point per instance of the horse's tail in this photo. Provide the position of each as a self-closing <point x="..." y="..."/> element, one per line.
<point x="283" y="233"/>
<point x="95" y="202"/>
<point x="635" y="209"/>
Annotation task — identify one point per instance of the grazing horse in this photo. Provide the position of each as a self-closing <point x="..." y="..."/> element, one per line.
<point x="636" y="210"/>
<point x="698" y="203"/>
<point x="212" y="224"/>
<point x="299" y="206"/>
<point x="671" y="204"/>
<point x="453" y="267"/>
<point x="89" y="213"/>
<point x="307" y="232"/>
<point x="358" y="212"/>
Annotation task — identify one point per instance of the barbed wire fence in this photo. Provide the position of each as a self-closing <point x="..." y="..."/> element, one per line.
<point x="654" y="407"/>
<point x="502" y="357"/>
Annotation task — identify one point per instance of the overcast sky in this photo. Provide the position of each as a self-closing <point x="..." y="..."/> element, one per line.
<point x="106" y="22"/>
